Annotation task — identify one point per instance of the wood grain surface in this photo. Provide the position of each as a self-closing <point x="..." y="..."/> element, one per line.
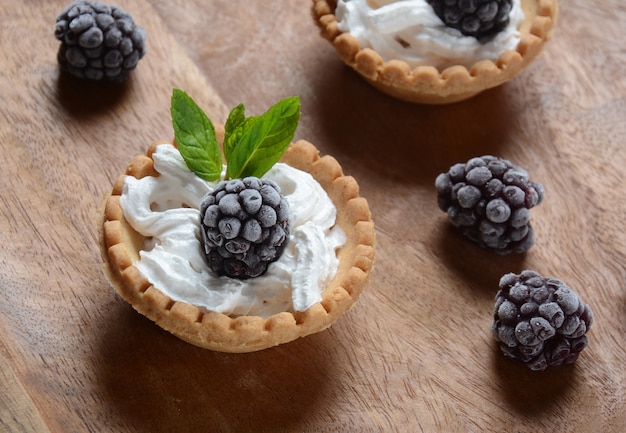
<point x="416" y="353"/>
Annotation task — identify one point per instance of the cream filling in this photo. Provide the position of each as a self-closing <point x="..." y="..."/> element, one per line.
<point x="164" y="209"/>
<point x="410" y="30"/>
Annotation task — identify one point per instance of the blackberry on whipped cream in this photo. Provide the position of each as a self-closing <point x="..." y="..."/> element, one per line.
<point x="245" y="226"/>
<point x="478" y="18"/>
<point x="411" y="31"/>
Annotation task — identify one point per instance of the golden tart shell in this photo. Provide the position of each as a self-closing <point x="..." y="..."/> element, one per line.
<point x="426" y="84"/>
<point x="120" y="245"/>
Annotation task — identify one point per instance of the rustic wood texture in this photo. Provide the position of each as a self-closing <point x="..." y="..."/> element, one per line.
<point x="416" y="353"/>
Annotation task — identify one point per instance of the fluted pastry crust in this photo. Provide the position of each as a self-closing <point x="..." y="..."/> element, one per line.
<point x="426" y="84"/>
<point x="120" y="245"/>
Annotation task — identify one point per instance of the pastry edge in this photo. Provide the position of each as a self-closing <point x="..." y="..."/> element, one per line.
<point x="217" y="331"/>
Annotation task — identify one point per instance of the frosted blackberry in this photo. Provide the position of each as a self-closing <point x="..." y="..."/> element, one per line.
<point x="540" y="321"/>
<point x="489" y="199"/>
<point x="245" y="226"/>
<point x="98" y="42"/>
<point x="478" y="18"/>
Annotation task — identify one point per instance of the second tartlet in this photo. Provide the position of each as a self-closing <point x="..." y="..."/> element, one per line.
<point x="427" y="84"/>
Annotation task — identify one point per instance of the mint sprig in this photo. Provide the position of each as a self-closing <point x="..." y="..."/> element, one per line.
<point x="252" y="145"/>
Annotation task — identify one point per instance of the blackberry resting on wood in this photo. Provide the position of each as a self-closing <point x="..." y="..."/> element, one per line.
<point x="540" y="321"/>
<point x="245" y="226"/>
<point x="98" y="42"/>
<point x="489" y="199"/>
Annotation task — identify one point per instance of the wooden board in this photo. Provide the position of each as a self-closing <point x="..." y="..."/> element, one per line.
<point x="416" y="353"/>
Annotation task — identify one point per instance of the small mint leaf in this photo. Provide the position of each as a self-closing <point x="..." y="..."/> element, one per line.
<point x="263" y="139"/>
<point x="195" y="137"/>
<point x="231" y="140"/>
<point x="236" y="118"/>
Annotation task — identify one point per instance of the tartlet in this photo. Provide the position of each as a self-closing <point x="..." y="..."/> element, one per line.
<point x="427" y="84"/>
<point x="120" y="245"/>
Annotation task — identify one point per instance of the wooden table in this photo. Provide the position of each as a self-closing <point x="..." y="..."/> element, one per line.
<point x="416" y="353"/>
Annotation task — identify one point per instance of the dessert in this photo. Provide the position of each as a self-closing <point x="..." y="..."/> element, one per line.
<point x="489" y="200"/>
<point x="98" y="42"/>
<point x="406" y="50"/>
<point x="540" y="321"/>
<point x="164" y="272"/>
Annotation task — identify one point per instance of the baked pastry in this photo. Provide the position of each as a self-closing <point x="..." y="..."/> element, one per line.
<point x="443" y="84"/>
<point x="122" y="245"/>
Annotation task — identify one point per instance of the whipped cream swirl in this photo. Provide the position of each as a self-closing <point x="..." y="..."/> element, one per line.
<point x="164" y="209"/>
<point x="410" y="30"/>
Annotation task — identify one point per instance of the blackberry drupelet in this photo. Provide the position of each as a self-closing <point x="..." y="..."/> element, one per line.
<point x="245" y="226"/>
<point x="489" y="199"/>
<point x="477" y="18"/>
<point x="98" y="42"/>
<point x="540" y="321"/>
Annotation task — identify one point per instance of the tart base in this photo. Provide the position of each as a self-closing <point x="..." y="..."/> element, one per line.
<point x="120" y="245"/>
<point x="426" y="84"/>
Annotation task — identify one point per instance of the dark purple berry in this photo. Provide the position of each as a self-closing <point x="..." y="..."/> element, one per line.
<point x="489" y="199"/>
<point x="478" y="18"/>
<point x="98" y="42"/>
<point x="540" y="321"/>
<point x="245" y="226"/>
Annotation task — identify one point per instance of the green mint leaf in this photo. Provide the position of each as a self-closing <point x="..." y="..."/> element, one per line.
<point x="195" y="137"/>
<point x="232" y="139"/>
<point x="236" y="118"/>
<point x="262" y="140"/>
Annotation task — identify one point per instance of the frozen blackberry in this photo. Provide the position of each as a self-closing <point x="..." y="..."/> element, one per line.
<point x="98" y="42"/>
<point x="245" y="226"/>
<point x="478" y="18"/>
<point x="489" y="199"/>
<point x="540" y="321"/>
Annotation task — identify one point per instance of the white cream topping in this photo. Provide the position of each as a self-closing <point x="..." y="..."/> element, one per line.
<point x="164" y="209"/>
<point x="425" y="39"/>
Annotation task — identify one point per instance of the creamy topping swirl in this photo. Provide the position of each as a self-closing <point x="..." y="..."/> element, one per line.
<point x="164" y="209"/>
<point x="410" y="30"/>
